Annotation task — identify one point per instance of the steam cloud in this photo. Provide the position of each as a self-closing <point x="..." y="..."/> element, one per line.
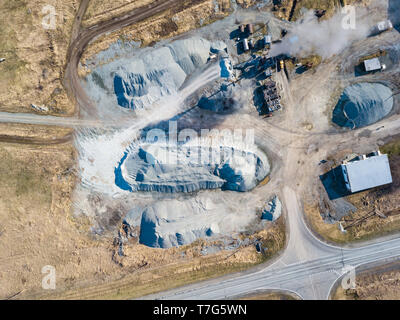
<point x="325" y="38"/>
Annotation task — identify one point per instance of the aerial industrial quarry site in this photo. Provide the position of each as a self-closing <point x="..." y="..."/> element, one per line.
<point x="200" y="149"/>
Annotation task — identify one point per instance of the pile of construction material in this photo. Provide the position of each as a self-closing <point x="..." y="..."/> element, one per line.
<point x="265" y="64"/>
<point x="148" y="75"/>
<point x="159" y="167"/>
<point x="362" y="104"/>
<point x="227" y="99"/>
<point x="272" y="98"/>
<point x="272" y="210"/>
<point x="172" y="223"/>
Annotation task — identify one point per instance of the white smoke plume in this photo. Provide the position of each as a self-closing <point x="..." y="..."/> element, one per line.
<point x="325" y="38"/>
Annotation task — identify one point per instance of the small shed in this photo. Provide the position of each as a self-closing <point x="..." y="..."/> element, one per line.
<point x="372" y="64"/>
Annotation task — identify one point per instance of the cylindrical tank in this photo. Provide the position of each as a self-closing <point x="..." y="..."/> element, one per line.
<point x="251" y="44"/>
<point x="250" y="28"/>
<point x="245" y="44"/>
<point x="241" y="28"/>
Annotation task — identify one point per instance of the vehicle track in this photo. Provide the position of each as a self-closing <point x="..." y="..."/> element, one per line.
<point x="84" y="36"/>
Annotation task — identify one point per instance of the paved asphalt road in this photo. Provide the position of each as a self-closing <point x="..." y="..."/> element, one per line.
<point x="310" y="278"/>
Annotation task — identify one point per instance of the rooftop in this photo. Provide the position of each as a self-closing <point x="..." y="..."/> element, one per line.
<point x="368" y="173"/>
<point x="372" y="64"/>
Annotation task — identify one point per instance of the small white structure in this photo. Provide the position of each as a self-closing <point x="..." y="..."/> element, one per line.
<point x="267" y="40"/>
<point x="384" y="26"/>
<point x="246" y="45"/>
<point x="373" y="65"/>
<point x="366" y="173"/>
<point x="2" y="59"/>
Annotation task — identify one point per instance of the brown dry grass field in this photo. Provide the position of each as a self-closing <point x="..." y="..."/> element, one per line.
<point x="291" y="9"/>
<point x="271" y="296"/>
<point x="144" y="270"/>
<point x="380" y="283"/>
<point x="100" y="10"/>
<point x="35" y="57"/>
<point x="39" y="132"/>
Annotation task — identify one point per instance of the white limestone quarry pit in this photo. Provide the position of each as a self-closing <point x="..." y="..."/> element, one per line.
<point x="121" y="167"/>
<point x="174" y="222"/>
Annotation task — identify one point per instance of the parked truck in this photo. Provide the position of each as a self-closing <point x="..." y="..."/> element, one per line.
<point x="282" y="65"/>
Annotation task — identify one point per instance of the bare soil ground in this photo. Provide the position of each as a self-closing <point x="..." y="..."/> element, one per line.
<point x="380" y="283"/>
<point x="35" y="57"/>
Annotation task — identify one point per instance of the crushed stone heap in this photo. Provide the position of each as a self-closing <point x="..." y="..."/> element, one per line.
<point x="363" y="104"/>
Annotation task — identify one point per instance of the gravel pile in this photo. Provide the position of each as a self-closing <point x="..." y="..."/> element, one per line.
<point x="362" y="104"/>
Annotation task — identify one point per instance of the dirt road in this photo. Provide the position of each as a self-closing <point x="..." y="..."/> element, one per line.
<point x="80" y="40"/>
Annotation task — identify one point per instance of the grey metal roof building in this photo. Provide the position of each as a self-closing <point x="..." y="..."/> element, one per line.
<point x="367" y="173"/>
<point x="372" y="64"/>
